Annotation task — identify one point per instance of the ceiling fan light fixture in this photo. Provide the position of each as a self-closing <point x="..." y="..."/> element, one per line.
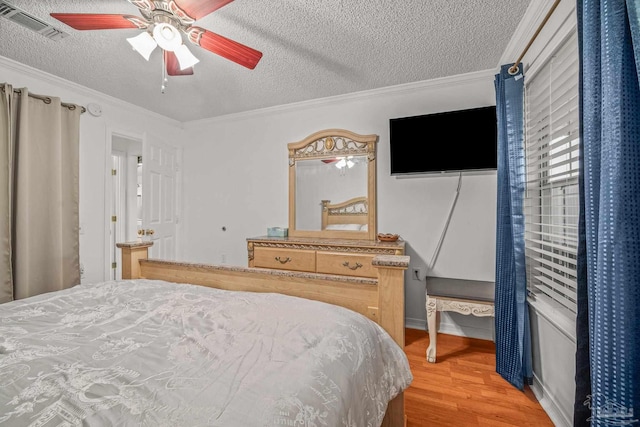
<point x="186" y="59"/>
<point x="143" y="43"/>
<point x="167" y="36"/>
<point x="165" y="22"/>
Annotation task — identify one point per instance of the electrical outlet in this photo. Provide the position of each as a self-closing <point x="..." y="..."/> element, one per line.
<point x="223" y="258"/>
<point x="416" y="274"/>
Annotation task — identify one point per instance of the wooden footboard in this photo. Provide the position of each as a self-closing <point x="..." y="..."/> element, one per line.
<point x="381" y="299"/>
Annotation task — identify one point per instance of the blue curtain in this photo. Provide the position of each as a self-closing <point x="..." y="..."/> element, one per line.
<point x="608" y="322"/>
<point x="513" y="339"/>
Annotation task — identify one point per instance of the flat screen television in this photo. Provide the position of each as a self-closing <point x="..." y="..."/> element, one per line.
<point x="452" y="141"/>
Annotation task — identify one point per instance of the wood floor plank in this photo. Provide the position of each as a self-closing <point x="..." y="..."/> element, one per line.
<point x="462" y="388"/>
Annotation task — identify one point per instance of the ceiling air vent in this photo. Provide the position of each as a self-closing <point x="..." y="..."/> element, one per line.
<point x="18" y="16"/>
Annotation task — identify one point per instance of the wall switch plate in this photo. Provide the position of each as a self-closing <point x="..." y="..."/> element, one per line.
<point x="416" y="274"/>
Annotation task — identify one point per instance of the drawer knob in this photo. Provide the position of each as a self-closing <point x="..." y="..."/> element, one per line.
<point x="283" y="261"/>
<point x="355" y="267"/>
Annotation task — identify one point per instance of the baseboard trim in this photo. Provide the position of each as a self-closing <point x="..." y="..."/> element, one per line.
<point x="452" y="329"/>
<point x="548" y="403"/>
<point x="419" y="324"/>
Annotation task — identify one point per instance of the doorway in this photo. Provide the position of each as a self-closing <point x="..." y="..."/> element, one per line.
<point x="125" y="219"/>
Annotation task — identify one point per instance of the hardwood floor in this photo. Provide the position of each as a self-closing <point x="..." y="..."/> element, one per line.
<point x="462" y="388"/>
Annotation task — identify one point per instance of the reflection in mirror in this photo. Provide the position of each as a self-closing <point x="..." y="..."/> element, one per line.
<point x="352" y="215"/>
<point x="334" y="180"/>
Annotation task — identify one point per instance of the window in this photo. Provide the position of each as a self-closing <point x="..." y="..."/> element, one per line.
<point x="551" y="199"/>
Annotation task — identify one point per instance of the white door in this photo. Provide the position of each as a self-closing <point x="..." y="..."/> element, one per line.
<point x="160" y="197"/>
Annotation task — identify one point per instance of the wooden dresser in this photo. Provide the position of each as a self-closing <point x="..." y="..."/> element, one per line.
<point x="343" y="257"/>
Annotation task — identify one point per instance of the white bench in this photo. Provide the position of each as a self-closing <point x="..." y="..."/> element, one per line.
<point x="464" y="305"/>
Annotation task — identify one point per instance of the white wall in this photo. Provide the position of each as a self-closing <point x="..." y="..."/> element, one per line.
<point x="236" y="177"/>
<point x="553" y="358"/>
<point x="95" y="142"/>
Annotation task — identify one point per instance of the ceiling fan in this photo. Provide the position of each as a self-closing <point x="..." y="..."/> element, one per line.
<point x="164" y="23"/>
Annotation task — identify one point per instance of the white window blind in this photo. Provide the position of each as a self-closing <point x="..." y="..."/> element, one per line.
<point x="551" y="199"/>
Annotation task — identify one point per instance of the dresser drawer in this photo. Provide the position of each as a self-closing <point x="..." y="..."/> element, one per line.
<point x="284" y="259"/>
<point x="345" y="264"/>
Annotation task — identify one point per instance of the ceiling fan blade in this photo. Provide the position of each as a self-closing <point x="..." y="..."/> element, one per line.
<point x="197" y="9"/>
<point x="173" y="66"/>
<point x="98" y="21"/>
<point x="227" y="48"/>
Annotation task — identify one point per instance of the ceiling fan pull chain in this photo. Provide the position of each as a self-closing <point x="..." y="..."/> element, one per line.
<point x="164" y="76"/>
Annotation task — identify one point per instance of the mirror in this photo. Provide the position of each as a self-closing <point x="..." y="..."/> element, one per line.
<point x="332" y="185"/>
<point x="341" y="180"/>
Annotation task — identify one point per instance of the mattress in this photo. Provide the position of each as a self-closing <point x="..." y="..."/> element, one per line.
<point x="155" y="353"/>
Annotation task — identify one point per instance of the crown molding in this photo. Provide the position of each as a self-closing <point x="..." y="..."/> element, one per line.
<point x="443" y="82"/>
<point x="83" y="91"/>
<point x="527" y="27"/>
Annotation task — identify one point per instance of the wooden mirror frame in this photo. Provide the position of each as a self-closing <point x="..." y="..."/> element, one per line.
<point x="329" y="144"/>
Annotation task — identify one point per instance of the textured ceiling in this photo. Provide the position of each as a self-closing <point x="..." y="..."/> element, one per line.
<point x="311" y="49"/>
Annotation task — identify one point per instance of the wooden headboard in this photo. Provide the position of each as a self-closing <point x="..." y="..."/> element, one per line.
<point x="353" y="211"/>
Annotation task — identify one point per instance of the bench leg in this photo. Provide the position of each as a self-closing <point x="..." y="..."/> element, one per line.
<point x="432" y="323"/>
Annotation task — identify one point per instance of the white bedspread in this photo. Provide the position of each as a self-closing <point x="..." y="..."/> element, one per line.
<point x="154" y="353"/>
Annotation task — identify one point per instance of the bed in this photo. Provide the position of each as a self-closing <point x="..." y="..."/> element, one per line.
<point x="352" y="215"/>
<point x="183" y="344"/>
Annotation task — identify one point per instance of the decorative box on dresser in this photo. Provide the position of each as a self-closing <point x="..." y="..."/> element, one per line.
<point x="345" y="257"/>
